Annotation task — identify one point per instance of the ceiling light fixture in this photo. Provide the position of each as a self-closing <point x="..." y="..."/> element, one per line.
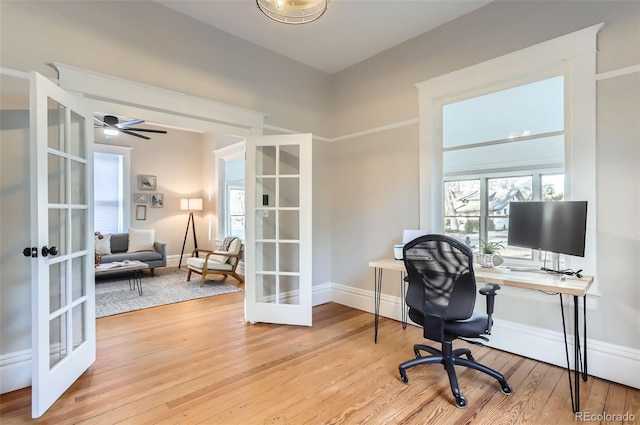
<point x="293" y="11"/>
<point x="110" y="131"/>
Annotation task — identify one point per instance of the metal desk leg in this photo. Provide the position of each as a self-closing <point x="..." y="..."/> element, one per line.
<point x="403" y="291"/>
<point x="378" y="289"/>
<point x="577" y="357"/>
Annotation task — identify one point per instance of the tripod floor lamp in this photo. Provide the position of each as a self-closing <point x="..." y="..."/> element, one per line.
<point x="191" y="205"/>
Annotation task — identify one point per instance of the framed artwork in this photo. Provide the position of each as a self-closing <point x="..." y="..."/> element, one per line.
<point x="157" y="200"/>
<point x="146" y="182"/>
<point x="141" y="212"/>
<point x="140" y="198"/>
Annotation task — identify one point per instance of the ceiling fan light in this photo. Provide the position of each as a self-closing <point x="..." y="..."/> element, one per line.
<point x="293" y="12"/>
<point x="110" y="131"/>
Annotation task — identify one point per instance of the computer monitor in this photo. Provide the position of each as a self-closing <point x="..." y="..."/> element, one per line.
<point x="559" y="227"/>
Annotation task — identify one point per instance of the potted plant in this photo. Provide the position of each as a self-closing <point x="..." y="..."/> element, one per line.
<point x="488" y="255"/>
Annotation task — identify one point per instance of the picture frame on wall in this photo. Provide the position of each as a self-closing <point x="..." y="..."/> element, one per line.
<point x="140" y="198"/>
<point x="147" y="182"/>
<point x="141" y="212"/>
<point x="157" y="200"/>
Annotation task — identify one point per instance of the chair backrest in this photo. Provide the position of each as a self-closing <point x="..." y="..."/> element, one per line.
<point x="440" y="276"/>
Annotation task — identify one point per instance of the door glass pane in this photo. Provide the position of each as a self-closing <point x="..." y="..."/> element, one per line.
<point x="289" y="290"/>
<point x="265" y="224"/>
<point x="289" y="257"/>
<point x="58" y="230"/>
<point x="57" y="182"/>
<point x="55" y="124"/>
<point x="78" y="281"/>
<point x="521" y="111"/>
<point x="266" y="288"/>
<point x="77" y="136"/>
<point x="289" y="192"/>
<point x="289" y="224"/>
<point x="265" y="192"/>
<point x="78" y="230"/>
<point x="266" y="160"/>
<point x="265" y="256"/>
<point x="289" y="159"/>
<point x="57" y="339"/>
<point x="78" y="183"/>
<point x="57" y="287"/>
<point x="78" y="325"/>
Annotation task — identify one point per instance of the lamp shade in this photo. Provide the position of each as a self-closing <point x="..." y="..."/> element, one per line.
<point x="191" y="204"/>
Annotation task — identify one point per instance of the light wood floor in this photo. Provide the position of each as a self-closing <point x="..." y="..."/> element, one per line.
<point x="198" y="362"/>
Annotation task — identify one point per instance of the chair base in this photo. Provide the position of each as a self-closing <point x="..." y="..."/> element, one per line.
<point x="450" y="358"/>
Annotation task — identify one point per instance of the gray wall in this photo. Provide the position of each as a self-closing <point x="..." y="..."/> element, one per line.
<point x="369" y="183"/>
<point x="383" y="167"/>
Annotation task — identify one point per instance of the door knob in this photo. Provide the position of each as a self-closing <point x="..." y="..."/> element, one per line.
<point x="30" y="252"/>
<point x="46" y="251"/>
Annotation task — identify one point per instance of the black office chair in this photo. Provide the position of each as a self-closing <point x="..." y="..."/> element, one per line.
<point x="441" y="296"/>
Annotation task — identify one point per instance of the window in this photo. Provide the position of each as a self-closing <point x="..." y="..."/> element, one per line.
<point x="231" y="164"/>
<point x="475" y="128"/>
<point x="111" y="189"/>
<point x="501" y="146"/>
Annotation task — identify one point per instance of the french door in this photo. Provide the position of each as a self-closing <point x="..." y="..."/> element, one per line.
<point x="63" y="294"/>
<point x="278" y="255"/>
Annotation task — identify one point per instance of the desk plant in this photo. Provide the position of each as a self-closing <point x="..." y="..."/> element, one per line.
<point x="488" y="255"/>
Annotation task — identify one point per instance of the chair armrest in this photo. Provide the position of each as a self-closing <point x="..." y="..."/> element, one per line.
<point x="489" y="291"/>
<point x="161" y="247"/>
<point x="198" y="250"/>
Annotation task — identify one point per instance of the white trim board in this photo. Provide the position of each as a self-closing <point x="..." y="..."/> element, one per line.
<point x="607" y="361"/>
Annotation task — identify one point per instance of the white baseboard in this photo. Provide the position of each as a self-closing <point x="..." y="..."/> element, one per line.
<point x="15" y="371"/>
<point x="607" y="361"/>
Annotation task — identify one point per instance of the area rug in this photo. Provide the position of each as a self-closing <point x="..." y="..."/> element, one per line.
<point x="113" y="295"/>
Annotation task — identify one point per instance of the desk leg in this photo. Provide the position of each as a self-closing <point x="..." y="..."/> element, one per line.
<point x="579" y="366"/>
<point x="377" y="281"/>
<point x="403" y="291"/>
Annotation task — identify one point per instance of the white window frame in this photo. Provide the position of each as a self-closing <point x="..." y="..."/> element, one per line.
<point x="228" y="153"/>
<point x="573" y="56"/>
<point x="125" y="152"/>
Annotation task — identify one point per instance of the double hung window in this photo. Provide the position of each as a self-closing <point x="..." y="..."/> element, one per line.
<point x="502" y="145"/>
<point x="111" y="188"/>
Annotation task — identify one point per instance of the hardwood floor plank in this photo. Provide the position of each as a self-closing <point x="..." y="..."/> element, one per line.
<point x="198" y="362"/>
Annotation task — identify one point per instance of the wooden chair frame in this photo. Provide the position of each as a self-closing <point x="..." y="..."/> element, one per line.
<point x="225" y="273"/>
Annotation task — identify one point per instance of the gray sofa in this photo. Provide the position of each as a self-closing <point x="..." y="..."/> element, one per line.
<point x="120" y="244"/>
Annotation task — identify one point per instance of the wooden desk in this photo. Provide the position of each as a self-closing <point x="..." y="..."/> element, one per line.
<point x="548" y="283"/>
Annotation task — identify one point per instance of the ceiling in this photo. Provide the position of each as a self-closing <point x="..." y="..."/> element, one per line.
<point x="348" y="33"/>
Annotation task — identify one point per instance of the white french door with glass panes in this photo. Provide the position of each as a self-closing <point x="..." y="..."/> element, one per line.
<point x="278" y="262"/>
<point x="62" y="277"/>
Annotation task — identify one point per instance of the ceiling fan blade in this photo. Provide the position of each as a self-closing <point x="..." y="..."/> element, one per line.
<point x="148" y="130"/>
<point x="99" y="121"/>
<point x="129" y="123"/>
<point x="134" y="134"/>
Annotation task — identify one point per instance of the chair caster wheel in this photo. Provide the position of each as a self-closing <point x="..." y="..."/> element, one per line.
<point x="461" y="402"/>
<point x="403" y="376"/>
<point x="506" y="389"/>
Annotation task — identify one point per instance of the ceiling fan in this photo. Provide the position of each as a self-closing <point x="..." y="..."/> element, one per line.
<point x="112" y="126"/>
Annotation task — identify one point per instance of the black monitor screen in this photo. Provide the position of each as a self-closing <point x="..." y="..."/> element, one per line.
<point x="558" y="227"/>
